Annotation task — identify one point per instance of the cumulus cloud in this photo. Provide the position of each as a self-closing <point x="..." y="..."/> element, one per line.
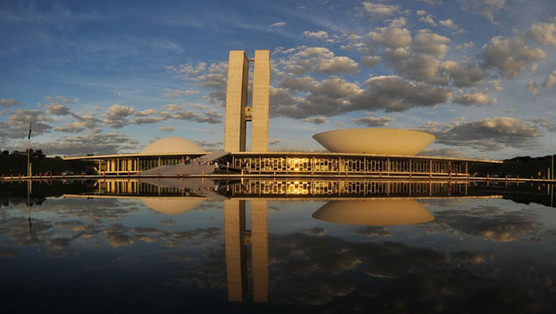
<point x="449" y="23"/>
<point x="87" y="122"/>
<point x="10" y="102"/>
<point x="215" y="76"/>
<point x="473" y="99"/>
<point x="549" y="80"/>
<point x="304" y="97"/>
<point x="543" y="33"/>
<point x="148" y="120"/>
<point x="490" y="134"/>
<point x="393" y="93"/>
<point x="17" y="125"/>
<point x="373" y="121"/>
<point x="339" y="64"/>
<point x="395" y="36"/>
<point x="417" y="58"/>
<point x="370" y="61"/>
<point x="463" y="74"/>
<point x="146" y="112"/>
<point x="532" y="88"/>
<point x="326" y="98"/>
<point x="545" y="123"/>
<point x="57" y="109"/>
<point x="116" y="115"/>
<point x="317" y="34"/>
<point x="510" y="56"/>
<point x="466" y="45"/>
<point x="94" y="142"/>
<point x="486" y="8"/>
<point x="428" y="19"/>
<point x="198" y="106"/>
<point x="171" y="107"/>
<point x="430" y="43"/>
<point x="317" y="59"/>
<point x="300" y="83"/>
<point x="379" y="10"/>
<point x="212" y="77"/>
<point x="167" y="128"/>
<point x="73" y="127"/>
<point x="212" y="116"/>
<point x="316" y="120"/>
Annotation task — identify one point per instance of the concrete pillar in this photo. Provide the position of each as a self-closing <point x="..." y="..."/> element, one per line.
<point x="261" y="97"/>
<point x="236" y="101"/>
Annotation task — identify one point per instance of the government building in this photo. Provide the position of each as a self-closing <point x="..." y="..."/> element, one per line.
<point x="361" y="152"/>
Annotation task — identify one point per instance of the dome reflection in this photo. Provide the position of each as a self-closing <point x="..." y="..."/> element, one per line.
<point x="172" y="206"/>
<point x="374" y="212"/>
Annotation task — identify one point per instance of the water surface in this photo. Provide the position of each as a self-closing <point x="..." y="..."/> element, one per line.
<point x="281" y="246"/>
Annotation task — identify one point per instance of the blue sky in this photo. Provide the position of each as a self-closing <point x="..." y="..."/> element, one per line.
<point x="112" y="76"/>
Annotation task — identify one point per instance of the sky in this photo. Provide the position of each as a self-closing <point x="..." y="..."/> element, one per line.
<point x="103" y="77"/>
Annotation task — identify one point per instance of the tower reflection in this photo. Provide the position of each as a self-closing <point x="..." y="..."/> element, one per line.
<point x="238" y="237"/>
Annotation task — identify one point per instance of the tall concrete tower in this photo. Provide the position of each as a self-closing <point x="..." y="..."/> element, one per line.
<point x="238" y="113"/>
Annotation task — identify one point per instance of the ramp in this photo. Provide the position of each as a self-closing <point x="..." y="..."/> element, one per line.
<point x="195" y="166"/>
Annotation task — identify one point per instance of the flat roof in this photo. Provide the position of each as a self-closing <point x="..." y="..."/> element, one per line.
<point x="133" y="155"/>
<point x="282" y="154"/>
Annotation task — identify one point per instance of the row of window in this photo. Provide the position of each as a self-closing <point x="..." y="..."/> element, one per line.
<point x="129" y="164"/>
<point x="303" y="164"/>
<point x="341" y="165"/>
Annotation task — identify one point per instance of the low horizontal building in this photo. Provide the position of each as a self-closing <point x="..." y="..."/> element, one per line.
<point x="176" y="151"/>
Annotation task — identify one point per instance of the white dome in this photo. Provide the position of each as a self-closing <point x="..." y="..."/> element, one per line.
<point x="375" y="141"/>
<point x="170" y="145"/>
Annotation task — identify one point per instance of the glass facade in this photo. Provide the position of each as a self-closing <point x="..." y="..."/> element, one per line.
<point x="337" y="164"/>
<point x="304" y="163"/>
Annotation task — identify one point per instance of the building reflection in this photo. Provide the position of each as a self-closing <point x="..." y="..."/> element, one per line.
<point x="238" y="238"/>
<point x="370" y="203"/>
<point x="375" y="212"/>
<point x="330" y="189"/>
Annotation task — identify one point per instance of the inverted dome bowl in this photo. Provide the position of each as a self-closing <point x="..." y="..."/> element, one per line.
<point x="375" y="141"/>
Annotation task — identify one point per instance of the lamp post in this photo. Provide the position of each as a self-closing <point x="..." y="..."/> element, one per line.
<point x="552" y="167"/>
<point x="29" y="153"/>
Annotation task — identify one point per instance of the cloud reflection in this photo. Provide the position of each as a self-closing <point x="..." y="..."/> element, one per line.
<point x="491" y="223"/>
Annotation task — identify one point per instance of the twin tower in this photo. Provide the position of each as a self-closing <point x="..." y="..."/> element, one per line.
<point x="238" y="113"/>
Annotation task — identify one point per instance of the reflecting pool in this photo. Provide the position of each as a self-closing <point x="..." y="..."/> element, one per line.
<point x="192" y="246"/>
